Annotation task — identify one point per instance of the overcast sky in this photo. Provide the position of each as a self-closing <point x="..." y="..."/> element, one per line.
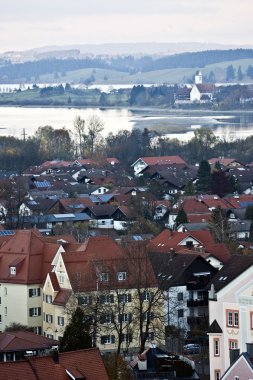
<point x="27" y="24"/>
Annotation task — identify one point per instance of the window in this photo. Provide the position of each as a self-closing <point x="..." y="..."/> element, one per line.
<point x="216" y="374"/>
<point x="121" y="276"/>
<point x="0" y="318"/>
<point x="106" y="298"/>
<point x="148" y="316"/>
<point x="35" y="312"/>
<point x="5" y="291"/>
<point x="34" y="292"/>
<point x="124" y="298"/>
<point x="37" y="330"/>
<point x="180" y="296"/>
<point x="61" y="279"/>
<point x="60" y="321"/>
<point x="126" y="338"/>
<point x="180" y="313"/>
<point x="233" y="343"/>
<point x="50" y="336"/>
<point x="85" y="300"/>
<point x="251" y="320"/>
<point x="147" y="296"/>
<point x="104" y="277"/>
<point x="49" y="318"/>
<point x="125" y="317"/>
<point x="216" y="347"/>
<point x="107" y="339"/>
<point x="13" y="271"/>
<point x="106" y="319"/>
<point x="236" y="378"/>
<point x="49" y="298"/>
<point x="232" y="318"/>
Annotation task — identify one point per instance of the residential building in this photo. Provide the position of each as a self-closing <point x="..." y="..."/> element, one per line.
<point x="230" y="312"/>
<point x="25" y="260"/>
<point x="83" y="364"/>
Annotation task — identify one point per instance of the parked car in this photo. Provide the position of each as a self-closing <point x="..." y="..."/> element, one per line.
<point x="191" y="348"/>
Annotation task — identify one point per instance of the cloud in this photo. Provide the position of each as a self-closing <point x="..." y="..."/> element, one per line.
<point x="30" y="23"/>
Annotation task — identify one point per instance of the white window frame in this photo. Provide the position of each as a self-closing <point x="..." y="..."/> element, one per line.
<point x="60" y="320"/>
<point x="13" y="270"/>
<point x="49" y="298"/>
<point x="49" y="318"/>
<point x="104" y="277"/>
<point x="122" y="276"/>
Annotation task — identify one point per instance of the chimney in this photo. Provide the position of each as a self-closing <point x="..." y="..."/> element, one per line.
<point x="55" y="355"/>
<point x="234" y="354"/>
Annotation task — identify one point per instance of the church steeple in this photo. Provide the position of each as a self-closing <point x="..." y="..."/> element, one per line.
<point x="198" y="77"/>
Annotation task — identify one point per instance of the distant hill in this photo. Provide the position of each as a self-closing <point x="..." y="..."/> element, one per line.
<point x="34" y="71"/>
<point x="135" y="49"/>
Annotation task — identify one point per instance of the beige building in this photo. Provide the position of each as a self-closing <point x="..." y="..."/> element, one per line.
<point x="112" y="291"/>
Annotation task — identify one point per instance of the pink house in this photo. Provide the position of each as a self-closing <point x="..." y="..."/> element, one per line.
<point x="230" y="314"/>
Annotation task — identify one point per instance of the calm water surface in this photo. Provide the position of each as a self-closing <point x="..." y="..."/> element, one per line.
<point x="226" y="125"/>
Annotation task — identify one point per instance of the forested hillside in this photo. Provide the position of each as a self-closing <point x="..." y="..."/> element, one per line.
<point x="28" y="71"/>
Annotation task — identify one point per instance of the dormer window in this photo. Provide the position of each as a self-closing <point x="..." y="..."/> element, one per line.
<point x="121" y="276"/>
<point x="13" y="271"/>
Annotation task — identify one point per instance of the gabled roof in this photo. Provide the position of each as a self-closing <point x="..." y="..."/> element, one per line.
<point x="233" y="268"/>
<point x="214" y="328"/>
<point x="161" y="160"/>
<point x="87" y="363"/>
<point x="178" y="269"/>
<point x="172" y="239"/>
<point x="29" y="248"/>
<point x="205" y="87"/>
<point x="222" y="161"/>
<point x="24" y="340"/>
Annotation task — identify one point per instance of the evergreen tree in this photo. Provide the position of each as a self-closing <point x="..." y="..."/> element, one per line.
<point x="76" y="335"/>
<point x="181" y="217"/>
<point x="251" y="232"/>
<point x="204" y="177"/>
<point x="220" y="183"/>
<point x="211" y="77"/>
<point x="249" y="212"/>
<point x="239" y="73"/>
<point x="189" y="189"/>
<point x="230" y="73"/>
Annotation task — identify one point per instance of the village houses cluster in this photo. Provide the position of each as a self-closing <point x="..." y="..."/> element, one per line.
<point x="75" y="238"/>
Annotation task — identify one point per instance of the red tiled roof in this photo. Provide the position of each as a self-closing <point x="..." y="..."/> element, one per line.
<point x="27" y="247"/>
<point x="87" y="362"/>
<point x="222" y="161"/>
<point x="168" y="239"/>
<point x="24" y="340"/>
<point x="54" y="281"/>
<point x="163" y="160"/>
<point x="199" y="218"/>
<point x="62" y="297"/>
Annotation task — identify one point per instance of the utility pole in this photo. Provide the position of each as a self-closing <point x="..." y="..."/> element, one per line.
<point x="24" y="134"/>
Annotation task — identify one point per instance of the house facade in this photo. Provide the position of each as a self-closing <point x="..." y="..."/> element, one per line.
<point x="230" y="313"/>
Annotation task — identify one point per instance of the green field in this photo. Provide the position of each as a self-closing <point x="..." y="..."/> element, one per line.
<point x="181" y="75"/>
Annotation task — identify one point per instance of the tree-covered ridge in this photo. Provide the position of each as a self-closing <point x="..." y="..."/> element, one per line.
<point x="33" y="70"/>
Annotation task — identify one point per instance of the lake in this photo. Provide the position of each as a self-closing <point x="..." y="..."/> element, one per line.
<point x="226" y="125"/>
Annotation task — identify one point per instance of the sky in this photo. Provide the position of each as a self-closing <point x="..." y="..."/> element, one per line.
<point x="26" y="24"/>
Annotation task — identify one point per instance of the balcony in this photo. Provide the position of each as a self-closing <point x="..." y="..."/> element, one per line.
<point x="197" y="302"/>
<point x="201" y="322"/>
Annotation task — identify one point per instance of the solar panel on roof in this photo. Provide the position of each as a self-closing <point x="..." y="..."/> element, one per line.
<point x="40" y="184"/>
<point x="7" y="233"/>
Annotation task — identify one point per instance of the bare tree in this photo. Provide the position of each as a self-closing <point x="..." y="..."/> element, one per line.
<point x="94" y="127"/>
<point x="79" y="127"/>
